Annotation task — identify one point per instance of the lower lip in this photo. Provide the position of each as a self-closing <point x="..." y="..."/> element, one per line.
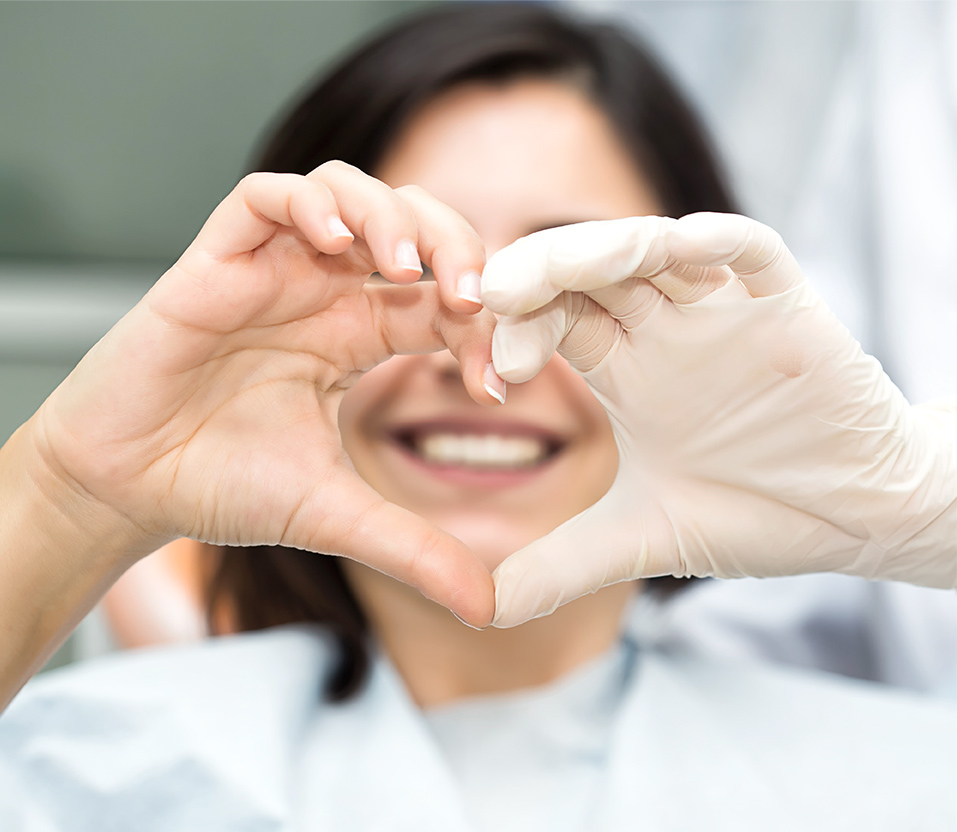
<point x="491" y="478"/>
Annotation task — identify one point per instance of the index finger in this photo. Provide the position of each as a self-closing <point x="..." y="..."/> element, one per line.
<point x="413" y="320"/>
<point x="250" y="213"/>
<point x="585" y="257"/>
<point x="450" y="247"/>
<point x="753" y="251"/>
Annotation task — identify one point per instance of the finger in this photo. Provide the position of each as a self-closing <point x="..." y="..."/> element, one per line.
<point x="590" y="333"/>
<point x="413" y="320"/>
<point x="248" y="217"/>
<point x="379" y="216"/>
<point x="630" y="302"/>
<point x="523" y="344"/>
<point x="685" y="284"/>
<point x="573" y="324"/>
<point x="349" y="518"/>
<point x="450" y="247"/>
<point x="753" y="251"/>
<point x="583" y="257"/>
<point x="581" y="556"/>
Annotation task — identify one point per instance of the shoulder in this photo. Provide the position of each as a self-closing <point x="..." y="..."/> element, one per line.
<point x="754" y="691"/>
<point x="899" y="634"/>
<point x="224" y="675"/>
<point x="841" y="753"/>
<point x="210" y="726"/>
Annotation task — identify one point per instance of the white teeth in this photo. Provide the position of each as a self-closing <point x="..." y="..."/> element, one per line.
<point x="481" y="451"/>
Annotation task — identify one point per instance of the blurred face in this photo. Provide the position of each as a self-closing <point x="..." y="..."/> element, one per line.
<point x="511" y="159"/>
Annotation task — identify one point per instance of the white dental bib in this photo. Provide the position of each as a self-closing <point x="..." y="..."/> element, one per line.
<point x="232" y="734"/>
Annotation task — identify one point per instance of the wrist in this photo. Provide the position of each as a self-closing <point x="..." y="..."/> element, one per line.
<point x="60" y="550"/>
<point x="923" y="548"/>
<point x="54" y="512"/>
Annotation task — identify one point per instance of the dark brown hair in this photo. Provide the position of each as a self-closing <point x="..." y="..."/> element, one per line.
<point x="353" y="115"/>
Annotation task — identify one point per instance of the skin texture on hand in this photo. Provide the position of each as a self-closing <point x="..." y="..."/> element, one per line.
<point x="210" y="410"/>
<point x="754" y="435"/>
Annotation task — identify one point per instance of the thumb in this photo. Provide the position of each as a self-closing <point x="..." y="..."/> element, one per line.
<point x="575" y="325"/>
<point x="350" y="519"/>
<point x="590" y="551"/>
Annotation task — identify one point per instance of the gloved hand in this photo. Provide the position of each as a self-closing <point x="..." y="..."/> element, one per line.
<point x="754" y="435"/>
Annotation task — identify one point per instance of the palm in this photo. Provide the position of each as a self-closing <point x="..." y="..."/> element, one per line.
<point x="233" y="395"/>
<point x="730" y="436"/>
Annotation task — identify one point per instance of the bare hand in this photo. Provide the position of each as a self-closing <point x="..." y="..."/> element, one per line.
<point x="210" y="410"/>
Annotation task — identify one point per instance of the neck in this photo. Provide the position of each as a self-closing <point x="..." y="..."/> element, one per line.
<point x="442" y="660"/>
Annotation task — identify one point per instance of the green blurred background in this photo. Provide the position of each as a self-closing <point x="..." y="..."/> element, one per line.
<point x="121" y="126"/>
<point x="124" y="123"/>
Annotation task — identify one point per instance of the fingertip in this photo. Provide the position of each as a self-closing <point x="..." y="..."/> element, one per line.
<point x="518" y="365"/>
<point x="755" y="252"/>
<point x="498" y="300"/>
<point x="468" y="288"/>
<point x="516" y="602"/>
<point x="461" y="620"/>
<point x="406" y="258"/>
<point x="450" y="247"/>
<point x="405" y="546"/>
<point x="485" y="388"/>
<point x="338" y="229"/>
<point x="505" y="617"/>
<point x="493" y="383"/>
<point x="340" y="237"/>
<point x="498" y="288"/>
<point x="516" y="291"/>
<point x="520" y="349"/>
<point x="472" y="597"/>
<point x="706" y="238"/>
<point x="510" y="297"/>
<point x="402" y="266"/>
<point x="462" y="295"/>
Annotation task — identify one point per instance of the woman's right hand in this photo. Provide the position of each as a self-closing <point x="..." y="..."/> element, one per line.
<point x="210" y="410"/>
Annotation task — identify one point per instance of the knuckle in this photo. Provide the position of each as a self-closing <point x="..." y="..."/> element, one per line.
<point x="255" y="179"/>
<point x="414" y="192"/>
<point x="336" y="167"/>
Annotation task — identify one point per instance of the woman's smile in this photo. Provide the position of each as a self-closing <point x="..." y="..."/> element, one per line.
<point x="491" y="454"/>
<point x="495" y="477"/>
<point x="510" y="159"/>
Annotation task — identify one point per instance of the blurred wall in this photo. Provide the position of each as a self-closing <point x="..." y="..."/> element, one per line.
<point x="121" y="126"/>
<point x="839" y="123"/>
<point x="125" y="123"/>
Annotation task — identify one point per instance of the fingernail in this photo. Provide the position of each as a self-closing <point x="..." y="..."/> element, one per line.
<point x="469" y="287"/>
<point x="470" y="626"/>
<point x="407" y="256"/>
<point x="337" y="228"/>
<point x="493" y="384"/>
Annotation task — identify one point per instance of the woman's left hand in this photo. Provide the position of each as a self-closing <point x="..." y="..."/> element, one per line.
<point x="754" y="435"/>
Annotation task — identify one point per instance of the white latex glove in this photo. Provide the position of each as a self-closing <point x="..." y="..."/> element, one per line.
<point x="755" y="437"/>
